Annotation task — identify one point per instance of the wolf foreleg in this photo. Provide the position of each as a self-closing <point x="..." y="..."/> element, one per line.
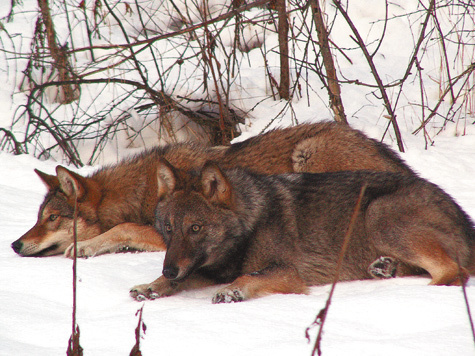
<point x="122" y="237"/>
<point x="258" y="284"/>
<point x="163" y="287"/>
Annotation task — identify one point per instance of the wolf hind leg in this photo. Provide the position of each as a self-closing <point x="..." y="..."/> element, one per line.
<point x="443" y="269"/>
<point x="428" y="253"/>
<point x="420" y="228"/>
<point x="271" y="280"/>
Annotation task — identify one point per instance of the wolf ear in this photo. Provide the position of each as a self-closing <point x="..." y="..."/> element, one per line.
<point x="70" y="183"/>
<point x="216" y="186"/>
<point x="166" y="179"/>
<point x="50" y="181"/>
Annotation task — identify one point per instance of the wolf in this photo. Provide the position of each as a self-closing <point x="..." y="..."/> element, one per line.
<point x="116" y="203"/>
<point x="265" y="234"/>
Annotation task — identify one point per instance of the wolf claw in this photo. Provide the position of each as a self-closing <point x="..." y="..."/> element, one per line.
<point x="135" y="294"/>
<point x="153" y="295"/>
<point x="140" y="298"/>
<point x="228" y="296"/>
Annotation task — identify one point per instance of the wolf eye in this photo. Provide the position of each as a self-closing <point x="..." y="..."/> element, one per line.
<point x="168" y="227"/>
<point x="195" y="228"/>
<point x="53" y="217"/>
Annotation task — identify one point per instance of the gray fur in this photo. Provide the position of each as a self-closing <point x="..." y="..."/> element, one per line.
<point x="273" y="231"/>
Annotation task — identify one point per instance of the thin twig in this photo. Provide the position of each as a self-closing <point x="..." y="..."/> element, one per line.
<point x="75" y="236"/>
<point x="159" y="97"/>
<point x="227" y="15"/>
<point x="140" y="327"/>
<point x="208" y="56"/>
<point x="374" y="71"/>
<point x="74" y="348"/>
<point x="419" y="42"/>
<point x="447" y="90"/>
<point x="322" y="315"/>
<point x="67" y="146"/>
<point x="444" y="53"/>
<point x="18" y="149"/>
<point x="464" y="291"/>
<point x="469" y="313"/>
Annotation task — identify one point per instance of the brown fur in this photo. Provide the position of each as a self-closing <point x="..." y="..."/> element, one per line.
<point x="282" y="233"/>
<point x="116" y="204"/>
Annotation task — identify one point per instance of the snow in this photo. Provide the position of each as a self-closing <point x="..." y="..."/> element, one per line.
<point x="391" y="317"/>
<point x="402" y="316"/>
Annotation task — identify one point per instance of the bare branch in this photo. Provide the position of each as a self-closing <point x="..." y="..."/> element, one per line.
<point x="466" y="73"/>
<point x="189" y="29"/>
<point x="374" y="71"/>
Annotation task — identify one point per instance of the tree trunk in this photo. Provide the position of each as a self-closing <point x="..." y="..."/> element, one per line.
<point x="60" y="59"/>
<point x="333" y="86"/>
<point x="283" y="29"/>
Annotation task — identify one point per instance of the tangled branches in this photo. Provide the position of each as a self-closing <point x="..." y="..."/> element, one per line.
<point x="105" y="74"/>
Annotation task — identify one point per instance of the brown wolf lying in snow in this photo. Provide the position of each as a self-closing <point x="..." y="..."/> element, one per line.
<point x="267" y="234"/>
<point x="116" y="204"/>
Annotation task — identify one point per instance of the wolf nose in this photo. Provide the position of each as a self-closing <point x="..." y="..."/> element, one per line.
<point x="170" y="272"/>
<point x="17" y="245"/>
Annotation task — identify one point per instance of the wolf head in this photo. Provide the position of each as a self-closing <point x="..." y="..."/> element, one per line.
<point x="197" y="215"/>
<point x="53" y="231"/>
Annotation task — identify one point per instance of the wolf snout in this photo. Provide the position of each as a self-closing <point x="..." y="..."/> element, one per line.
<point x="17" y="246"/>
<point x="170" y="272"/>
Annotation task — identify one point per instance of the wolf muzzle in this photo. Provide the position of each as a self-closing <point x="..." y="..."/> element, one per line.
<point x="170" y="272"/>
<point x="17" y="246"/>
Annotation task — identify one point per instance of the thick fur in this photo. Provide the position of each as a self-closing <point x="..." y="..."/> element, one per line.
<point x="283" y="233"/>
<point x="116" y="204"/>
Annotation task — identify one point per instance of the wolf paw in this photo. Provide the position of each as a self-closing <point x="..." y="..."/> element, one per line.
<point x="383" y="267"/>
<point x="157" y="289"/>
<point x="83" y="250"/>
<point x="143" y="292"/>
<point x="228" y="296"/>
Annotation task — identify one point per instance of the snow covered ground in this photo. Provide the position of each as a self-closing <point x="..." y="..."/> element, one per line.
<point x="392" y="317"/>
